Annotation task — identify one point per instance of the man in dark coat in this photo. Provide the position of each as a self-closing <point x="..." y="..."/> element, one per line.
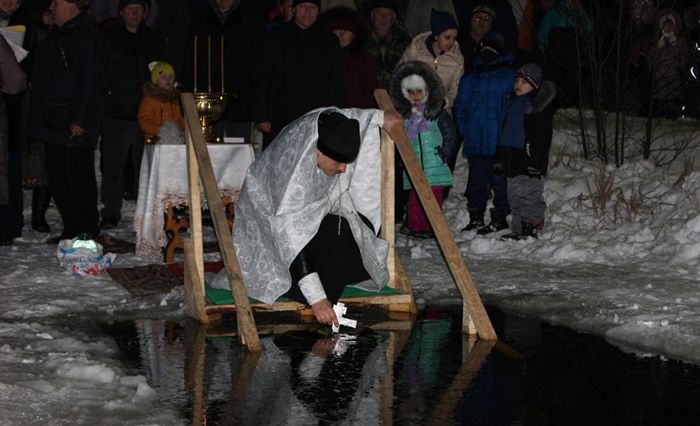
<point x="175" y="15"/>
<point x="132" y="46"/>
<point x="301" y="69"/>
<point x="240" y="27"/>
<point x="65" y="110"/>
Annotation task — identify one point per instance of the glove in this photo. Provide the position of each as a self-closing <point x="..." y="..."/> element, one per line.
<point x="534" y="172"/>
<point x="498" y="168"/>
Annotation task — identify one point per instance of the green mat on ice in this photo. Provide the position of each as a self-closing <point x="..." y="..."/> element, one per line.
<point x="224" y="297"/>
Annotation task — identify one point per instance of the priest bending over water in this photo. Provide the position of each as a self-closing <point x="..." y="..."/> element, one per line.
<point x="307" y="221"/>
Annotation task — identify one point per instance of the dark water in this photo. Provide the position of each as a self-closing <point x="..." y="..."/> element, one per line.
<point x="398" y="372"/>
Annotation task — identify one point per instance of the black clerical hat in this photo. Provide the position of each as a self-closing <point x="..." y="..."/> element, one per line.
<point x="338" y="136"/>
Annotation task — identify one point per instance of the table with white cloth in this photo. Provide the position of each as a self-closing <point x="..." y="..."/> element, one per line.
<point x="163" y="185"/>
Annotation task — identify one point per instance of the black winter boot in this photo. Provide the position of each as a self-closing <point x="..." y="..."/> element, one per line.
<point x="498" y="222"/>
<point x="41" y="197"/>
<point x="528" y="230"/>
<point x="511" y="236"/>
<point x="476" y="220"/>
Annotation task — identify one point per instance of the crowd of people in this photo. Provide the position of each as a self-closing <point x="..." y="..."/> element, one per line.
<point x="485" y="75"/>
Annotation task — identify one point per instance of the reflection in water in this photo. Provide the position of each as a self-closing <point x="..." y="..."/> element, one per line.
<point x="400" y="372"/>
<point x="301" y="377"/>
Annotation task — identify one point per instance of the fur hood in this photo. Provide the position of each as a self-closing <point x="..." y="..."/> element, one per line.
<point x="341" y="17"/>
<point x="542" y="97"/>
<point x="673" y="16"/>
<point x="150" y="89"/>
<point x="436" y="92"/>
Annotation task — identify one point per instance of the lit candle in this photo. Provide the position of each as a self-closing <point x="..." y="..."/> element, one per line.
<point x="209" y="62"/>
<point x="222" y="65"/>
<point x="195" y="64"/>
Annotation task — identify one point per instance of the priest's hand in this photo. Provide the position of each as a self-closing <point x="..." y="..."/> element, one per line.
<point x="324" y="313"/>
<point x="264" y="126"/>
<point x="324" y="347"/>
<point x="392" y="119"/>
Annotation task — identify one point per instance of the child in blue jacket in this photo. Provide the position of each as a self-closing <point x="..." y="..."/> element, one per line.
<point x="478" y="109"/>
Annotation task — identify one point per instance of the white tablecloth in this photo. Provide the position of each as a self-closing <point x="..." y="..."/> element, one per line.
<point x="163" y="180"/>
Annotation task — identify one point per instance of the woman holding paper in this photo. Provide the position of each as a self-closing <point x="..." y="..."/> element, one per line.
<point x="12" y="80"/>
<point x="15" y="19"/>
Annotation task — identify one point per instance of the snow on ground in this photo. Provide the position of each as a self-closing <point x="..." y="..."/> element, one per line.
<point x="627" y="272"/>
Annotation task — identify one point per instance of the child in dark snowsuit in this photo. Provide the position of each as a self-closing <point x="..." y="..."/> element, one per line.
<point x="418" y="95"/>
<point x="523" y="149"/>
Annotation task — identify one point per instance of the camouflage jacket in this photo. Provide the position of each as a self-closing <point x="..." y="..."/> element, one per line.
<point x="386" y="53"/>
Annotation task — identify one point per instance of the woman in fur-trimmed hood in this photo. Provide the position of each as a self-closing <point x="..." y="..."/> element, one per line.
<point x="436" y="91"/>
<point x="667" y="61"/>
<point x="418" y="94"/>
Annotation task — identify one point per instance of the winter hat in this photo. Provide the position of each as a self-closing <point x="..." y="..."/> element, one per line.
<point x="160" y="68"/>
<point x="441" y="21"/>
<point x="532" y="73"/>
<point x="125" y="3"/>
<point x="82" y="4"/>
<point x="493" y="40"/>
<point x="295" y="3"/>
<point x="414" y="82"/>
<point x="389" y="4"/>
<point x="484" y="8"/>
<point x="338" y="136"/>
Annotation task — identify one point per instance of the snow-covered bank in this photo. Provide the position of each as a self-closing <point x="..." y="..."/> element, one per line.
<point x="626" y="269"/>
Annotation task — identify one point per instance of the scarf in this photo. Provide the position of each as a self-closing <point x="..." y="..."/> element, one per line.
<point x="417" y="123"/>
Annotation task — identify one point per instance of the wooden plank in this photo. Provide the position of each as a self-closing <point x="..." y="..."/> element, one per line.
<point x="246" y="322"/>
<point x="247" y="364"/>
<point x="194" y="288"/>
<point x="445" y="240"/>
<point x="194" y="375"/>
<point x="397" y="276"/>
<point x="404" y="285"/>
<point x="289" y="306"/>
<point x="445" y="409"/>
<point x="195" y="203"/>
<point x="397" y="340"/>
<point x="388" y="214"/>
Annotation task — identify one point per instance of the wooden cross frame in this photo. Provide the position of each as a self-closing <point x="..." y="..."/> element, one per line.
<point x="199" y="168"/>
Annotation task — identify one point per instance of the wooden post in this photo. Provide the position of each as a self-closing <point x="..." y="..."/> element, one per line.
<point x="246" y="323"/>
<point x="473" y="307"/>
<point x="445" y="409"/>
<point x="194" y="374"/>
<point x="195" y="204"/>
<point x="194" y="285"/>
<point x="397" y="340"/>
<point x="397" y="276"/>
